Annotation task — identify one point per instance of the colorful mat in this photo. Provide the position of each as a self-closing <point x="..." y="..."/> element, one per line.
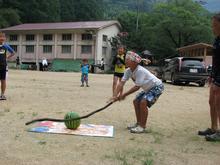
<point x="84" y="129"/>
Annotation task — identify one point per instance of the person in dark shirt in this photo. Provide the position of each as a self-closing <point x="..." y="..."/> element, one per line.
<point x="17" y="62"/>
<point x="213" y="134"/>
<point x="4" y="48"/>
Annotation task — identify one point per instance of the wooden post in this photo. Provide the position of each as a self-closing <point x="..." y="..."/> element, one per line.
<point x="205" y="53"/>
<point x="20" y="48"/>
<point x="75" y="46"/>
<point x="55" y="45"/>
<point x="37" y="52"/>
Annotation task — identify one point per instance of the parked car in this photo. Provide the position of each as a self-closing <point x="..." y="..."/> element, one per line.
<point x="185" y="70"/>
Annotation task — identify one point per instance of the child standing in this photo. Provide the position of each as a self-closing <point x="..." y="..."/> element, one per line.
<point x="4" y="48"/>
<point x="44" y="64"/>
<point x="119" y="67"/>
<point x="17" y="62"/>
<point x="85" y="71"/>
<point x="151" y="85"/>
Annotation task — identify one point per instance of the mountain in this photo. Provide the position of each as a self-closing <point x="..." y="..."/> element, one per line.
<point x="113" y="8"/>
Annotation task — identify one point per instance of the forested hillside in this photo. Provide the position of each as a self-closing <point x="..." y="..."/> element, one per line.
<point x="29" y="11"/>
<point x="160" y="26"/>
<point x="115" y="7"/>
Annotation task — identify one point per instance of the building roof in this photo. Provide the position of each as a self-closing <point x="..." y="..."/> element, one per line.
<point x="63" y="25"/>
<point x="195" y="46"/>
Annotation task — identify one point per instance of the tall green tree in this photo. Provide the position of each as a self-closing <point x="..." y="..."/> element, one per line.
<point x="81" y="10"/>
<point x="67" y="10"/>
<point x="170" y="25"/>
<point x="114" y="8"/>
<point x="9" y="14"/>
<point x="9" y="17"/>
<point x="137" y="39"/>
<point x="32" y="11"/>
<point x="89" y="10"/>
<point x="178" y="23"/>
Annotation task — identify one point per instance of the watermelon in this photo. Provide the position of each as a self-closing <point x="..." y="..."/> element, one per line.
<point x="72" y="124"/>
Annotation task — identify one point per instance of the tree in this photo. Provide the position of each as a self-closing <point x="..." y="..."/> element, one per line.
<point x="178" y="23"/>
<point x="114" y="8"/>
<point x="82" y="10"/>
<point x="170" y="25"/>
<point x="34" y="11"/>
<point x="9" y="17"/>
<point x="89" y="10"/>
<point x="67" y="10"/>
<point x="137" y="39"/>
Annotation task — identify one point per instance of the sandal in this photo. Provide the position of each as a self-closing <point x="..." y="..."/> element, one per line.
<point x="132" y="126"/>
<point x="2" y="97"/>
<point x="138" y="129"/>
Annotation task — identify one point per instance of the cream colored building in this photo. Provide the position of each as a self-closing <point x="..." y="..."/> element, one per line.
<point x="67" y="40"/>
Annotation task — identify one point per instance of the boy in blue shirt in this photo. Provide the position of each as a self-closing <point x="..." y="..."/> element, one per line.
<point x="85" y="71"/>
<point x="4" y="48"/>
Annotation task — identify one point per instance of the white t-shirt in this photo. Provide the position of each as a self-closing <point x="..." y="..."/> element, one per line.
<point x="44" y="62"/>
<point x="142" y="78"/>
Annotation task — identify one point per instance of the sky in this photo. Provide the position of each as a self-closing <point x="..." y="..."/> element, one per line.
<point x="212" y="5"/>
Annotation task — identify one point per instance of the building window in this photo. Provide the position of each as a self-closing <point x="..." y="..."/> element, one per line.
<point x="104" y="51"/>
<point x="86" y="49"/>
<point x="13" y="37"/>
<point x="104" y="38"/>
<point x="48" y="37"/>
<point x="29" y="48"/>
<point x="86" y="36"/>
<point x="66" y="48"/>
<point x="29" y="37"/>
<point x="47" y="48"/>
<point x="14" y="47"/>
<point x="66" y="37"/>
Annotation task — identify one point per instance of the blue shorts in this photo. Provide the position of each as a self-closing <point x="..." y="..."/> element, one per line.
<point x="84" y="77"/>
<point x="150" y="96"/>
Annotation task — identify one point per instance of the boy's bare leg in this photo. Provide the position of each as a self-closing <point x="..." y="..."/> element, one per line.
<point x="137" y="111"/>
<point x="114" y="85"/>
<point x="217" y="104"/>
<point x="143" y="113"/>
<point x="3" y="86"/>
<point x="213" y="111"/>
<point x="82" y="80"/>
<point x="119" y="80"/>
<point x="87" y="80"/>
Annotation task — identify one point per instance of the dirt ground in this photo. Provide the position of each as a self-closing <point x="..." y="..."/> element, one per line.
<point x="173" y="124"/>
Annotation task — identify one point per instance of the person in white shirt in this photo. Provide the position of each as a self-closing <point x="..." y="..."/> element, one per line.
<point x="44" y="64"/>
<point x="151" y="85"/>
<point x="102" y="64"/>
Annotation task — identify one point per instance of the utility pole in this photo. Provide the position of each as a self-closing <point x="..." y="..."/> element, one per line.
<point x="137" y="19"/>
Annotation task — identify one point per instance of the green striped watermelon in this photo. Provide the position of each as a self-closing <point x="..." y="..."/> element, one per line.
<point x="72" y="124"/>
